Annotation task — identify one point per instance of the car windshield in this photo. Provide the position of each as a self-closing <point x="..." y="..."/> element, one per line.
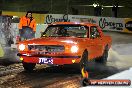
<point x="65" y="31"/>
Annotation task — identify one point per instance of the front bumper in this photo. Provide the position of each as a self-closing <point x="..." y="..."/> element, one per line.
<point x="56" y="60"/>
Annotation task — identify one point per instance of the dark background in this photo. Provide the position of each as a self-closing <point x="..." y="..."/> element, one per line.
<point x="66" y="6"/>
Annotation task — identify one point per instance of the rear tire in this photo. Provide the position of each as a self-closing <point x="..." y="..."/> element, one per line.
<point x="103" y="58"/>
<point x="28" y="66"/>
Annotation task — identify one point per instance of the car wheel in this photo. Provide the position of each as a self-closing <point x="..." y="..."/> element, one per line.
<point x="28" y="66"/>
<point x="103" y="58"/>
<point x="84" y="60"/>
<point x="85" y="82"/>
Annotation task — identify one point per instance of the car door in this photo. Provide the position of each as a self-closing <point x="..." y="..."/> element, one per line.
<point x="95" y="39"/>
<point x="88" y="43"/>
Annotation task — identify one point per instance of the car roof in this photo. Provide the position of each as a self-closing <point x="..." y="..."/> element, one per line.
<point x="73" y="23"/>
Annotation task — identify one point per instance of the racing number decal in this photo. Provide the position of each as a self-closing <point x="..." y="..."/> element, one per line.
<point x="45" y="60"/>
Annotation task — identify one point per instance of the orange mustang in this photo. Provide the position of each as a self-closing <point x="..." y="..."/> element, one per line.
<point x="65" y="43"/>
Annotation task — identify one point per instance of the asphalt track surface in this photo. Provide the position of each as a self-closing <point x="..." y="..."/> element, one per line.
<point x="12" y="75"/>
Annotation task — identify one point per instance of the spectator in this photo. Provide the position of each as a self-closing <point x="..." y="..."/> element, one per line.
<point x="27" y="27"/>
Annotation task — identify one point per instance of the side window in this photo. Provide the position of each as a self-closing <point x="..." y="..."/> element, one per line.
<point x="94" y="32"/>
<point x="84" y="31"/>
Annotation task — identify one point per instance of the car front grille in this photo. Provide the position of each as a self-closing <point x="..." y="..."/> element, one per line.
<point x="46" y="48"/>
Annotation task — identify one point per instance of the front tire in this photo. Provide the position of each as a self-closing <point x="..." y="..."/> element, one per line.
<point x="84" y="64"/>
<point x="84" y="60"/>
<point x="28" y="66"/>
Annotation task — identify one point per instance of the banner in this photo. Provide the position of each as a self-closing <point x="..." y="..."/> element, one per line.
<point x="128" y="25"/>
<point x="50" y="18"/>
<point x="82" y="18"/>
<point x="111" y="24"/>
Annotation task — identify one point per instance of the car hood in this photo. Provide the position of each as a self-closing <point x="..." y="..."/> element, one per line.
<point x="52" y="41"/>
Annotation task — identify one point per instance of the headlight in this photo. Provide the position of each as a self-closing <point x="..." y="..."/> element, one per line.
<point x="74" y="49"/>
<point x="22" y="47"/>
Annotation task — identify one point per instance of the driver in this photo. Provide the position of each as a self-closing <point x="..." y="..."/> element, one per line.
<point x="63" y="32"/>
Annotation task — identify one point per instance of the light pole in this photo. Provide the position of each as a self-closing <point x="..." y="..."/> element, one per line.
<point x="67" y="7"/>
<point x="115" y="10"/>
<point x="51" y="6"/>
<point x="97" y="9"/>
